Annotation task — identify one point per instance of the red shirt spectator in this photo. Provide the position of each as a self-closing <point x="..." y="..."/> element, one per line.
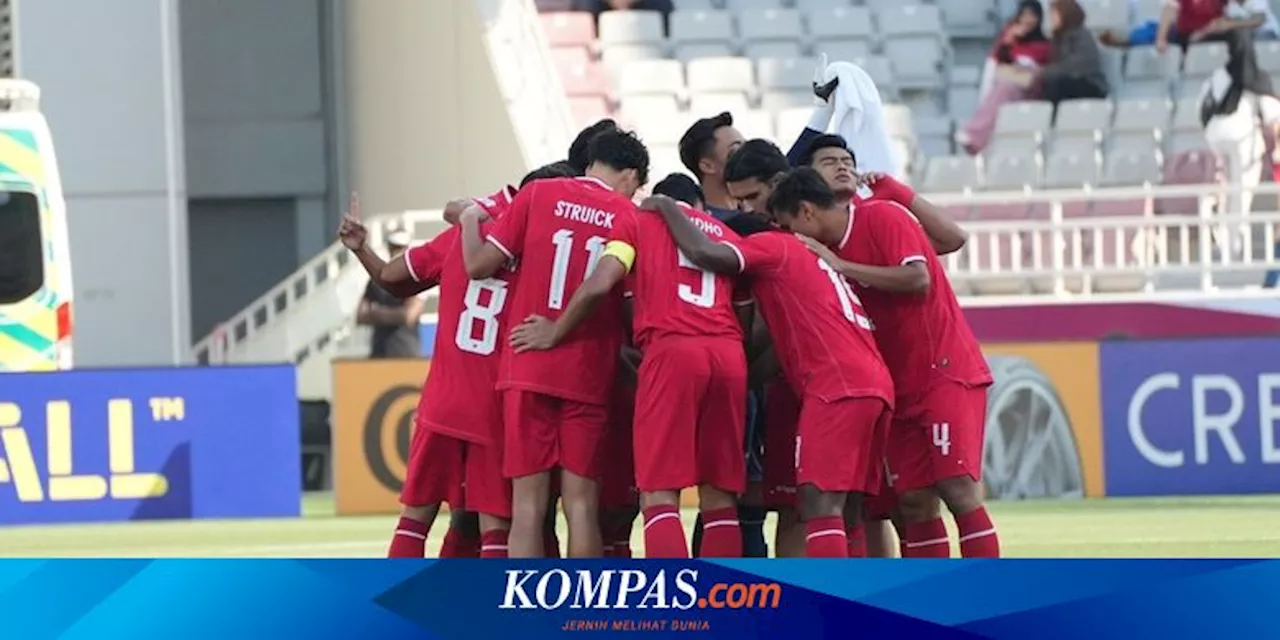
<point x="1194" y="15"/>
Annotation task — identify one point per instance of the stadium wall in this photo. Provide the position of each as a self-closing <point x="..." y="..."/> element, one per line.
<point x="426" y="119"/>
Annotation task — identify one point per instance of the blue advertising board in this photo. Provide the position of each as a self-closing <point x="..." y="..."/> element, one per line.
<point x="1191" y="416"/>
<point x="131" y="444"/>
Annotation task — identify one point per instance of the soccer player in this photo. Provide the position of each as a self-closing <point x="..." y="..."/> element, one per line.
<point x="704" y="149"/>
<point x="555" y="407"/>
<point x="935" y="445"/>
<point x="692" y="395"/>
<point x="824" y="345"/>
<point x="455" y="453"/>
<point x="578" y="158"/>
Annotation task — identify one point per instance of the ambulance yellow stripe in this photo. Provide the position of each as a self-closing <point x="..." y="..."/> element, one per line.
<point x="21" y="159"/>
<point x="16" y="356"/>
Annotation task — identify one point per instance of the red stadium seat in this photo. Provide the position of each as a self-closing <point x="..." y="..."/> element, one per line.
<point x="574" y="29"/>
<point x="589" y="109"/>
<point x="584" y="79"/>
<point x="1187" y="167"/>
<point x="547" y="6"/>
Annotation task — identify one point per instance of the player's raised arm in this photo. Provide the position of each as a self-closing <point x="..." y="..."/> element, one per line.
<point x="693" y="243"/>
<point x="945" y="235"/>
<point x="355" y="237"/>
<point x="538" y="333"/>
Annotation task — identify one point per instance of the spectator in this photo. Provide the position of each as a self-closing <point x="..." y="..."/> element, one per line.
<point x="1022" y="46"/>
<point x="394" y="320"/>
<point x="1258" y="15"/>
<point x="598" y="7"/>
<point x="1076" y="69"/>
<point x="1189" y="21"/>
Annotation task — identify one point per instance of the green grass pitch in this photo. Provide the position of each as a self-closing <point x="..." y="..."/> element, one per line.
<point x="1178" y="527"/>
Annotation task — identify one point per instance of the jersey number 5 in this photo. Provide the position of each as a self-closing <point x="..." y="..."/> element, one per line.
<point x="486" y="314"/>
<point x="563" y="240"/>
<point x="705" y="297"/>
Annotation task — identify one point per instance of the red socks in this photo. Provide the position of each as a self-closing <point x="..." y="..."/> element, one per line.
<point x="926" y="540"/>
<point x="493" y="544"/>
<point x="721" y="534"/>
<point x="409" y="539"/>
<point x="664" y="533"/>
<point x="456" y="545"/>
<point x="825" y="538"/>
<point x="857" y="541"/>
<point x="977" y="535"/>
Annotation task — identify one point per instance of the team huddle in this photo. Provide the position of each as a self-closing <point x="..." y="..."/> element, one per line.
<point x="779" y="335"/>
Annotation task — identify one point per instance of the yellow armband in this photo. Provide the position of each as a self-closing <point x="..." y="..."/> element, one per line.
<point x="625" y="253"/>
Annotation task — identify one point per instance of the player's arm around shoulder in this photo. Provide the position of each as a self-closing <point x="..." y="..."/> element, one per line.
<point x="693" y="243"/>
<point x="482" y="257"/>
<point x="538" y="333"/>
<point x="944" y="234"/>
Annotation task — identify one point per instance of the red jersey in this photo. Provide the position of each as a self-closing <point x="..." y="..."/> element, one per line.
<point x="458" y="398"/>
<point x="672" y="296"/>
<point x="496" y="203"/>
<point x="921" y="336"/>
<point x="820" y="332"/>
<point x="557" y="230"/>
<point x="1194" y="15"/>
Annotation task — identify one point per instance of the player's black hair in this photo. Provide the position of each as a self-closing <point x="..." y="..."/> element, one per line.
<point x="745" y="224"/>
<point x="578" y="150"/>
<point x="759" y="159"/>
<point x="801" y="185"/>
<point x="561" y="169"/>
<point x="697" y="142"/>
<point x="620" y="150"/>
<point x="825" y="141"/>
<point x="680" y="187"/>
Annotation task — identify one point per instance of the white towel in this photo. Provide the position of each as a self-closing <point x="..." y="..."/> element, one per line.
<point x="859" y="119"/>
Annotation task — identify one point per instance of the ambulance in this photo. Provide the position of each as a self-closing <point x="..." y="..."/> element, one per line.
<point x="35" y="260"/>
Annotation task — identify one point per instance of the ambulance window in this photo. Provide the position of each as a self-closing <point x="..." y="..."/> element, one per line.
<point x="21" y="247"/>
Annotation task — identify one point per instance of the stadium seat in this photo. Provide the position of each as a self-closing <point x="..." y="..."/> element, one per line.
<point x="775" y="49"/>
<point x="1067" y="170"/>
<point x="720" y="74"/>
<point x="1203" y="59"/>
<point x="1082" y="117"/>
<point x="1106" y="14"/>
<point x="878" y="5"/>
<point x="570" y="56"/>
<point x="701" y="28"/>
<point x="1186" y="116"/>
<point x="770" y="25"/>
<point x="810" y="5"/>
<point x="1144" y="90"/>
<point x="790" y="74"/>
<point x="969" y="18"/>
<point x="1014" y="145"/>
<point x="708" y="104"/>
<point x="617" y="56"/>
<point x="630" y="27"/>
<point x="584" y="79"/>
<point x="934" y="135"/>
<point x="588" y="109"/>
<point x="1131" y="168"/>
<point x="662" y="129"/>
<point x="779" y="101"/>
<point x="1011" y="171"/>
<point x="695" y="5"/>
<point x="897" y="18"/>
<point x="1028" y="121"/>
<point x="1141" y="115"/>
<point x="1146" y="63"/>
<point x="898" y="122"/>
<point x="1269" y="56"/>
<point x="570" y="29"/>
<point x="691" y="52"/>
<point x="881" y="72"/>
<point x="740" y="6"/>
<point x="648" y="77"/>
<point x="633" y="106"/>
<point x="790" y="123"/>
<point x="843" y="50"/>
<point x="1134" y="142"/>
<point x="664" y="160"/>
<point x="755" y="123"/>
<point x="962" y="102"/>
<point x="951" y="174"/>
<point x="840" y="23"/>
<point x="548" y="6"/>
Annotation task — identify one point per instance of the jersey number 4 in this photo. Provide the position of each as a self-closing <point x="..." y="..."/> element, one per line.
<point x="485" y="313"/>
<point x="563" y="240"/>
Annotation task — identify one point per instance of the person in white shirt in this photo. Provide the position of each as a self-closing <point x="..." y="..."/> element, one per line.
<point x="1257" y="13"/>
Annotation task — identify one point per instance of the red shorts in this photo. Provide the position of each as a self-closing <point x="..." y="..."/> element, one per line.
<point x="881" y="505"/>
<point x="840" y="446"/>
<point x="781" y="415"/>
<point x="691" y="411"/>
<point x="943" y="440"/>
<point x="542" y="432"/>
<point x="618" y="477"/>
<point x="466" y="475"/>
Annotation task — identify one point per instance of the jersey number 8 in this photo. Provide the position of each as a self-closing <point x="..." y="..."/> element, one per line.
<point x="485" y="313"/>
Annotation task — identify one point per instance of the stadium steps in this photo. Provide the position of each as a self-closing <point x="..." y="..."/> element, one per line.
<point x="308" y="318"/>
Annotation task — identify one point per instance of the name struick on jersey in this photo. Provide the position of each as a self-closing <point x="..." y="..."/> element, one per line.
<point x="582" y="213"/>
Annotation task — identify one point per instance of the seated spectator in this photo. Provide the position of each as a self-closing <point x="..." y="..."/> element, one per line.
<point x="1189" y="21"/>
<point x="1022" y="45"/>
<point x="1256" y="14"/>
<point x="1076" y="70"/>
<point x="598" y="7"/>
